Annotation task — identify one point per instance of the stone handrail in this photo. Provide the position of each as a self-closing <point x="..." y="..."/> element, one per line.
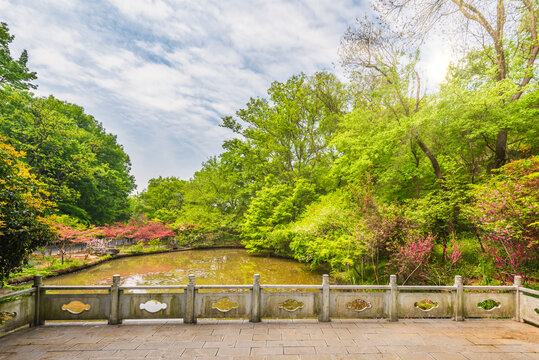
<point x="17" y="293"/>
<point x="116" y="303"/>
<point x="529" y="291"/>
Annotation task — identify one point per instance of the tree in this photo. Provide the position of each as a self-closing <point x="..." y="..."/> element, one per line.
<point x="291" y="130"/>
<point x="162" y="199"/>
<point x="23" y="210"/>
<point x="212" y="200"/>
<point x="85" y="170"/>
<point x="388" y="80"/>
<point x="274" y="207"/>
<point x="505" y="213"/>
<point x="507" y="31"/>
<point x="13" y="72"/>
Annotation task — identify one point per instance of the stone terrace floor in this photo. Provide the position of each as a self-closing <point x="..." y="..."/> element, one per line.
<point x="299" y="339"/>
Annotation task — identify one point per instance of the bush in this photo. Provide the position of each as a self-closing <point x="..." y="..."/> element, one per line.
<point x="135" y="249"/>
<point x="505" y="213"/>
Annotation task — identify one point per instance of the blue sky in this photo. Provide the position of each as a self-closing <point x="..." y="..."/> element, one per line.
<point x="160" y="73"/>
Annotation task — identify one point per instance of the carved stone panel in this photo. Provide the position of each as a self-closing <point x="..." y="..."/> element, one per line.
<point x="426" y="305"/>
<point x="290" y="305"/>
<point x="76" y="307"/>
<point x="224" y="305"/>
<point x="6" y="316"/>
<point x="489" y="305"/>
<point x="153" y="306"/>
<point x="358" y="305"/>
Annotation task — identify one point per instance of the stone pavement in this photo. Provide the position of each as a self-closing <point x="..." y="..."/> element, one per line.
<point x="299" y="339"/>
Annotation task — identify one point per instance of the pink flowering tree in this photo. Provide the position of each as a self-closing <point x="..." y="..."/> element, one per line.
<point x="414" y="261"/>
<point x="97" y="237"/>
<point x="505" y="215"/>
<point x="411" y="260"/>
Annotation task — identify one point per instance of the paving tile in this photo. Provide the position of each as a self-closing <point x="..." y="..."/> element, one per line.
<point x="448" y="356"/>
<point x="262" y="351"/>
<point x="60" y="355"/>
<point x="362" y="350"/>
<point x="211" y="344"/>
<point x="87" y="346"/>
<point x="192" y="353"/>
<point x="416" y="356"/>
<point x="232" y="351"/>
<point x="331" y="350"/>
<point x="250" y="343"/>
<point x="121" y="345"/>
<point x="164" y="354"/>
<point x="496" y="356"/>
<point x="257" y="337"/>
<point x="407" y="339"/>
<point x="187" y="344"/>
<point x="395" y="349"/>
<point x="299" y="350"/>
<point x="130" y="354"/>
<point x="311" y="343"/>
<point x="208" y="338"/>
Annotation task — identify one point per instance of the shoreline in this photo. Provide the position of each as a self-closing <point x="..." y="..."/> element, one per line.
<point x="24" y="280"/>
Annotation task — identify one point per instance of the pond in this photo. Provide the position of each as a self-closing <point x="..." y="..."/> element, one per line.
<point x="211" y="267"/>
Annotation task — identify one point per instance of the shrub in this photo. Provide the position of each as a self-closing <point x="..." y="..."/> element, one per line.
<point x="505" y="213"/>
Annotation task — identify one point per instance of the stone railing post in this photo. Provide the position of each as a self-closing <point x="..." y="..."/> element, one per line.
<point x="190" y="317"/>
<point x="324" y="314"/>
<point x="38" y="283"/>
<point x="459" y="299"/>
<point x="255" y="299"/>
<point x="393" y="299"/>
<point x="114" y="315"/>
<point x="517" y="283"/>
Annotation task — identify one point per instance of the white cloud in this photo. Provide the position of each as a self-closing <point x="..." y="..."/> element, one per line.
<point x="160" y="74"/>
<point x="150" y="9"/>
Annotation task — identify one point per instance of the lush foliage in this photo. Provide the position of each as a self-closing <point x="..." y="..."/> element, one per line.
<point x="162" y="199"/>
<point x="373" y="179"/>
<point x="23" y="210"/>
<point x="54" y="158"/>
<point x="141" y="229"/>
<point x="505" y="213"/>
<point x="13" y="71"/>
<point x="84" y="169"/>
<point x="368" y="178"/>
<point x="380" y="177"/>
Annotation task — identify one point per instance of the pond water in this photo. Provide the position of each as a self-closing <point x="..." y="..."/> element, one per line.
<point x="211" y="267"/>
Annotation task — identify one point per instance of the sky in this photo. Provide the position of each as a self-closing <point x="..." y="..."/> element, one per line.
<point x="160" y="74"/>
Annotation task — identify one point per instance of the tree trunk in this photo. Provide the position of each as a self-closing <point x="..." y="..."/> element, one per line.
<point x="432" y="158"/>
<point x="501" y="149"/>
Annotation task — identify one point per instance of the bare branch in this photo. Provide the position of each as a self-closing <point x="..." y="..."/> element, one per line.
<point x="533" y="53"/>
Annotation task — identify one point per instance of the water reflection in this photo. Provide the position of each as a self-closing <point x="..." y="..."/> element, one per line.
<point x="211" y="267"/>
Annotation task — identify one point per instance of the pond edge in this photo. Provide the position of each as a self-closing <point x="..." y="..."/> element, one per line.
<point x="24" y="280"/>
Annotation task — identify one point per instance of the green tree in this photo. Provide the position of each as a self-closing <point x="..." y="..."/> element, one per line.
<point x="162" y="199"/>
<point x="212" y="201"/>
<point x="274" y="207"/>
<point x="13" y="71"/>
<point x="23" y="210"/>
<point x="85" y="170"/>
<point x="505" y="30"/>
<point x="291" y="129"/>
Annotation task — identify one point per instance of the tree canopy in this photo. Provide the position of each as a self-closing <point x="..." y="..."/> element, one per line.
<point x="378" y="175"/>
<point x="13" y="71"/>
<point x="367" y="177"/>
<point x="83" y="167"/>
<point x="23" y="210"/>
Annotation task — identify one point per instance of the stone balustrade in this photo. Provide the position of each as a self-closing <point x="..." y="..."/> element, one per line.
<point x="190" y="302"/>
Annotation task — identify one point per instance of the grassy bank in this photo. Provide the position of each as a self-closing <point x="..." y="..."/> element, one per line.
<point x="49" y="266"/>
